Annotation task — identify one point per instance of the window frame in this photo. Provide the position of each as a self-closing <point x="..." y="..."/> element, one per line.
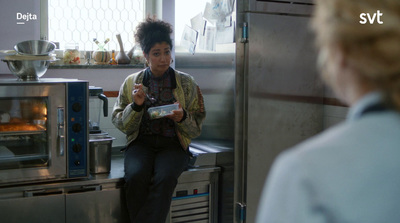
<point x="151" y="7"/>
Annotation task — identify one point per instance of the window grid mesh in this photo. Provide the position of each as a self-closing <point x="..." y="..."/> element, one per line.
<point x="79" y="21"/>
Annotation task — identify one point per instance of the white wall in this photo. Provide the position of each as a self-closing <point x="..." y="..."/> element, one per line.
<point x="12" y="33"/>
<point x="107" y="126"/>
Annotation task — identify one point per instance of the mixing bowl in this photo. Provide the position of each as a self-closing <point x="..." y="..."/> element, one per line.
<point x="35" y="47"/>
<point x="28" y="69"/>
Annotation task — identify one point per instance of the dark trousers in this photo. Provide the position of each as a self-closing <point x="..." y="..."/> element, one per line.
<point x="152" y="167"/>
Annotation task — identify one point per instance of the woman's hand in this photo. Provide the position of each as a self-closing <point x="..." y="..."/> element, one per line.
<point x="138" y="94"/>
<point x="177" y="114"/>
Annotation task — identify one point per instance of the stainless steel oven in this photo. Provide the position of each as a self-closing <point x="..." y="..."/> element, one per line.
<point x="43" y="130"/>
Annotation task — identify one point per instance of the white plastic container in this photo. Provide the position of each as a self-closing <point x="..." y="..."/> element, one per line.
<point x="161" y="111"/>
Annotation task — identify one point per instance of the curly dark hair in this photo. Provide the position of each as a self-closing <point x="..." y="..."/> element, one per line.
<point x="151" y="32"/>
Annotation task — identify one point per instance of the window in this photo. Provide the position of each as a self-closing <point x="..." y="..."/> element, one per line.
<point x="79" y="21"/>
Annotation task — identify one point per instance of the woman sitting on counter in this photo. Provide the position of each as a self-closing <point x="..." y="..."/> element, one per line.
<point x="157" y="145"/>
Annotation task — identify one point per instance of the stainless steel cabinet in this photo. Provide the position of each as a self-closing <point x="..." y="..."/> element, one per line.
<point x="96" y="205"/>
<point x="98" y="201"/>
<point x="63" y="202"/>
<point x="46" y="208"/>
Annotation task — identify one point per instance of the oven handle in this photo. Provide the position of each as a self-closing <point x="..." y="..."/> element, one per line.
<point x="61" y="130"/>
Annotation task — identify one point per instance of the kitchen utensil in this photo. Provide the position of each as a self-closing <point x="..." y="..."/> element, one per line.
<point x="151" y="99"/>
<point x="35" y="47"/>
<point x="100" y="153"/>
<point x="8" y="52"/>
<point x="28" y="69"/>
<point x="101" y="57"/>
<point x="122" y="58"/>
<point x="97" y="99"/>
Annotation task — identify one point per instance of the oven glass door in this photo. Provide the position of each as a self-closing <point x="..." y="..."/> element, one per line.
<point x="30" y="144"/>
<point x="23" y="135"/>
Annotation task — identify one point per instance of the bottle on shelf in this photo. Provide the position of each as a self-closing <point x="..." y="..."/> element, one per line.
<point x="101" y="45"/>
<point x="101" y="55"/>
<point x="106" y="41"/>
<point x="112" y="60"/>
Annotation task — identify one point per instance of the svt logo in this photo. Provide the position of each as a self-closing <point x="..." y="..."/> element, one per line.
<point x="371" y="19"/>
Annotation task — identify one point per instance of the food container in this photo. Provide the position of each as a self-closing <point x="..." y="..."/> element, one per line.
<point x="71" y="54"/>
<point x="100" y="153"/>
<point x="137" y="56"/>
<point x="161" y="111"/>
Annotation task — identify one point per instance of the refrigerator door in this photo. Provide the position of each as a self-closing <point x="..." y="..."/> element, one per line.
<point x="299" y="7"/>
<point x="279" y="100"/>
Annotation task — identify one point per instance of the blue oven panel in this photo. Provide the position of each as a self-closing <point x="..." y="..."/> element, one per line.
<point x="77" y="135"/>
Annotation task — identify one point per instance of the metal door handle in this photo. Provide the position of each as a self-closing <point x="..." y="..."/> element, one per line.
<point x="61" y="145"/>
<point x="60" y="130"/>
<point x="41" y="192"/>
<point x="86" y="188"/>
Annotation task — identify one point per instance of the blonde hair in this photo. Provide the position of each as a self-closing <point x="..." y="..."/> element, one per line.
<point x="372" y="49"/>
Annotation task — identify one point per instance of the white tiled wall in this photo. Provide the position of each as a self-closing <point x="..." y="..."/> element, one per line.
<point x="334" y="115"/>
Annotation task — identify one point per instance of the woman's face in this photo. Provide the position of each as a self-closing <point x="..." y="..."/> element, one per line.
<point x="159" y="58"/>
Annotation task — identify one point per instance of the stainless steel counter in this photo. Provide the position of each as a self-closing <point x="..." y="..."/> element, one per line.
<point x="100" y="198"/>
<point x="116" y="174"/>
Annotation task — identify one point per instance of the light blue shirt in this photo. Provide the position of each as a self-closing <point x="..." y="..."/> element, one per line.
<point x="349" y="173"/>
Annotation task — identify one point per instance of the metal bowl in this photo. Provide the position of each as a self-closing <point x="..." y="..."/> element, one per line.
<point x="28" y="69"/>
<point x="35" y="47"/>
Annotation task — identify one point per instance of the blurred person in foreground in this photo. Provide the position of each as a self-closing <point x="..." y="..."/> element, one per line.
<point x="157" y="149"/>
<point x="349" y="173"/>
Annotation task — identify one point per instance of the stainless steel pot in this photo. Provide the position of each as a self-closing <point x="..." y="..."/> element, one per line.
<point x="28" y="69"/>
<point x="100" y="153"/>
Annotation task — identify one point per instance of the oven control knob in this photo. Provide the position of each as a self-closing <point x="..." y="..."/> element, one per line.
<point x="77" y="147"/>
<point x="76" y="127"/>
<point x="76" y="107"/>
<point x="77" y="162"/>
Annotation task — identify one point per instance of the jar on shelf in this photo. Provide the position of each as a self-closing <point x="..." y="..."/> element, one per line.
<point x="71" y="54"/>
<point x="137" y="56"/>
<point x="101" y="57"/>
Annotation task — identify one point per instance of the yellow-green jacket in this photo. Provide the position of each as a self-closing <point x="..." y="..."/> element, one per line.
<point x="187" y="92"/>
